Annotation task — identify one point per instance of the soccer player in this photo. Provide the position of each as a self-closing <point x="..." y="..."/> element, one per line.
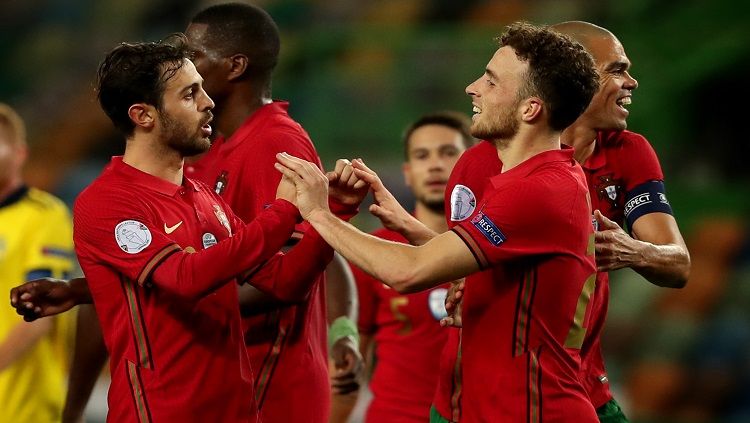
<point x="405" y="329"/>
<point x="524" y="327"/>
<point x="627" y="189"/>
<point x="36" y="240"/>
<point x="162" y="251"/>
<point x="606" y="152"/>
<point x="235" y="49"/>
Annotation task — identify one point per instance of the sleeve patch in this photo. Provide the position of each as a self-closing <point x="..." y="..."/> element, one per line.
<point x="463" y="203"/>
<point x="488" y="229"/>
<point x="132" y="236"/>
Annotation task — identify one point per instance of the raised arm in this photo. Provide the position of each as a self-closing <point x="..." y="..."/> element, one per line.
<point x="405" y="268"/>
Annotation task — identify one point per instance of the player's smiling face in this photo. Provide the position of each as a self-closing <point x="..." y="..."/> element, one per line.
<point x="607" y="110"/>
<point x="494" y="96"/>
<point x="433" y="151"/>
<point x="185" y="113"/>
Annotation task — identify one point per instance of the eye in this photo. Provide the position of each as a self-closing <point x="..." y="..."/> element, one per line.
<point x="490" y="83"/>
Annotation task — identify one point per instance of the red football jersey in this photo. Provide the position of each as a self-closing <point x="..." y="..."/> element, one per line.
<point x="408" y="338"/>
<point x="621" y="162"/>
<point x="523" y="330"/>
<point x="170" y="318"/>
<point x="465" y="189"/>
<point x="287" y="348"/>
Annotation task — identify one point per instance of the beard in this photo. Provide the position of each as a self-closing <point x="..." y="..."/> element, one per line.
<point x="503" y="126"/>
<point x="178" y="136"/>
<point x="436" y="205"/>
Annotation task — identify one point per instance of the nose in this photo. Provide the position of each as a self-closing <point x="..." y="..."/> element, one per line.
<point x="630" y="82"/>
<point x="208" y="103"/>
<point x="471" y="89"/>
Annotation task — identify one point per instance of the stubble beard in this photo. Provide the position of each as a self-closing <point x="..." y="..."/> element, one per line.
<point x="503" y="127"/>
<point x="178" y="137"/>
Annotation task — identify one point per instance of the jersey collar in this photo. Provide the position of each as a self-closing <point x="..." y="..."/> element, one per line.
<point x="149" y="182"/>
<point x="565" y="154"/>
<point x="14" y="196"/>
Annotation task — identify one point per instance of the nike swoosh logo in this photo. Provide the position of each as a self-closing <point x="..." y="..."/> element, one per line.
<point x="170" y="229"/>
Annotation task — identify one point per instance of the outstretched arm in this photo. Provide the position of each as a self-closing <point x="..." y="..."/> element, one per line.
<point x="656" y="250"/>
<point x="405" y="268"/>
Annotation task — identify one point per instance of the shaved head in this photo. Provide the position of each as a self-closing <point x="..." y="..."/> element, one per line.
<point x="583" y="32"/>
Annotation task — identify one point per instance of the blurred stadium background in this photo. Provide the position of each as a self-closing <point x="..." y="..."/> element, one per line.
<point x="357" y="71"/>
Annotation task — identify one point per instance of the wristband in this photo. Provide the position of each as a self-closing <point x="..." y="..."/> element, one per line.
<point x="340" y="328"/>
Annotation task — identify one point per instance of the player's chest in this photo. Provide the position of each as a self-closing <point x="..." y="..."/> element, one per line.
<point x="607" y="191"/>
<point x="193" y="220"/>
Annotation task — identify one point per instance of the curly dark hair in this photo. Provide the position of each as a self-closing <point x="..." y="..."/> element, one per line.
<point x="137" y="73"/>
<point x="561" y="72"/>
<point x="454" y="120"/>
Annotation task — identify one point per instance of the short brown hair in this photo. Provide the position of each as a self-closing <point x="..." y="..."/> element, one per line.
<point x="11" y="122"/>
<point x="454" y="120"/>
<point x="561" y="72"/>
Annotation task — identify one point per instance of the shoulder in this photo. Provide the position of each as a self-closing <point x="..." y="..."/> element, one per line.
<point x="46" y="202"/>
<point x="627" y="142"/>
<point x="548" y="190"/>
<point x="106" y="195"/>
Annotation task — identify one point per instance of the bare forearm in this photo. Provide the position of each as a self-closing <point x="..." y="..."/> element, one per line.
<point x="89" y="357"/>
<point x="417" y="233"/>
<point x="405" y="268"/>
<point x="80" y="289"/>
<point x="341" y="291"/>
<point x="387" y="261"/>
<point x="663" y="265"/>
<point x="22" y="338"/>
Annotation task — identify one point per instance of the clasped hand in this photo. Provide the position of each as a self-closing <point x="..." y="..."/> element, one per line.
<point x="305" y="185"/>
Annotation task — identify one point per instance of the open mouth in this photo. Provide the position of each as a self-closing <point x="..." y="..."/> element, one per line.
<point x="206" y="127"/>
<point x="622" y="102"/>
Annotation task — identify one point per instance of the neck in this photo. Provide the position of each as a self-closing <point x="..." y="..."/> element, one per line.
<point x="430" y="218"/>
<point x="148" y="155"/>
<point x="583" y="140"/>
<point x="245" y="100"/>
<point x="525" y="146"/>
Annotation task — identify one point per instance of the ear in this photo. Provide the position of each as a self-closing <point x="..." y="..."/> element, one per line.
<point x="406" y="169"/>
<point x="531" y="109"/>
<point x="237" y="66"/>
<point x="142" y="115"/>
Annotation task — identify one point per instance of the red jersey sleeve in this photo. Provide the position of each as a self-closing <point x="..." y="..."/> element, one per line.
<point x="641" y="163"/>
<point x="125" y="237"/>
<point x="368" y="300"/>
<point x="286" y="276"/>
<point x="521" y="219"/>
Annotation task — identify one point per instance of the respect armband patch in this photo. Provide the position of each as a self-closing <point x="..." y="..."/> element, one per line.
<point x="488" y="228"/>
<point x="648" y="197"/>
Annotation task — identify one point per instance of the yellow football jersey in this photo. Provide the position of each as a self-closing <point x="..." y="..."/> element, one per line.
<point x="36" y="239"/>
